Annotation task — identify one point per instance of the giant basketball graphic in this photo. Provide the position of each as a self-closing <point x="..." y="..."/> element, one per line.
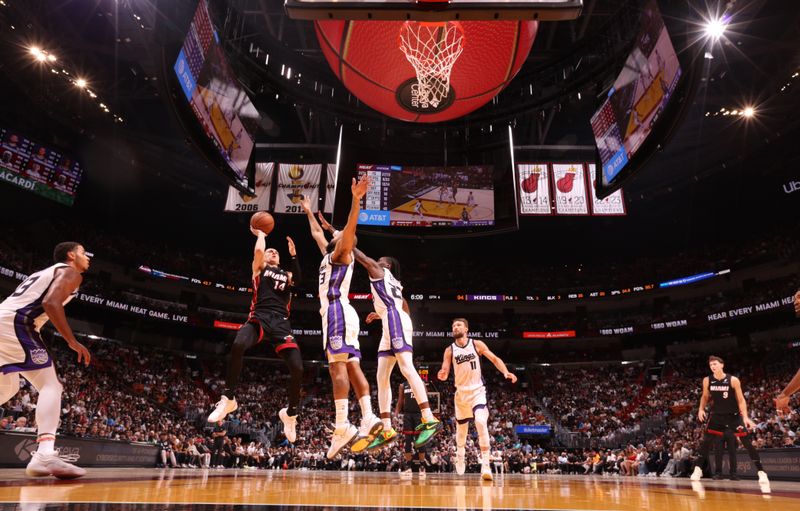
<point x="367" y="57"/>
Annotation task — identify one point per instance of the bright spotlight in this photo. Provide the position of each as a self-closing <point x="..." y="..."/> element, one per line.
<point x="41" y="57"/>
<point x="80" y="82"/>
<point x="748" y="112"/>
<point x="715" y="28"/>
<point x="35" y="51"/>
<point x="51" y="57"/>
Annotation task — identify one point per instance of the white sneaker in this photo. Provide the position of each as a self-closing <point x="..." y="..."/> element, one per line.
<point x="223" y="408"/>
<point x="486" y="472"/>
<point x="697" y="474"/>
<point x="461" y="465"/>
<point x="341" y="437"/>
<point x="370" y="427"/>
<point x="42" y="465"/>
<point x="289" y="425"/>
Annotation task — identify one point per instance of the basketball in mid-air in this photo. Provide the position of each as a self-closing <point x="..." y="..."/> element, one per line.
<point x="367" y="57"/>
<point x="262" y="221"/>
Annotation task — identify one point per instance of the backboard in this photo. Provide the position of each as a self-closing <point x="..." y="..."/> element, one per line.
<point x="434" y="10"/>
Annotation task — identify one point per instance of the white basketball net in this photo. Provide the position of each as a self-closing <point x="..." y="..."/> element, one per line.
<point x="432" y="48"/>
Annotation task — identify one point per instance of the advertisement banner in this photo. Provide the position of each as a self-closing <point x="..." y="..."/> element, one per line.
<point x="330" y="188"/>
<point x="294" y="182"/>
<point x="570" y="189"/>
<point x="539" y="429"/>
<point x="15" y="451"/>
<point x="564" y="334"/>
<point x="242" y="203"/>
<point x="534" y="189"/>
<point x="613" y="205"/>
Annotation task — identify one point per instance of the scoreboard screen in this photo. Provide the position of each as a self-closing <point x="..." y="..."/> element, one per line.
<point x="426" y="196"/>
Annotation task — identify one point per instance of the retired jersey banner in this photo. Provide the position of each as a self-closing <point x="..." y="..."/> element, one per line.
<point x="294" y="182"/>
<point x="330" y="188"/>
<point x="241" y="203"/>
<point x="613" y="205"/>
<point x="570" y="189"/>
<point x="534" y="189"/>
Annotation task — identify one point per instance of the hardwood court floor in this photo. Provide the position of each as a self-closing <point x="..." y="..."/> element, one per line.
<point x="239" y="490"/>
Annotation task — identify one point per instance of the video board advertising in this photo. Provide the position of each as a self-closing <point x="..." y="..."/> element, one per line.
<point x="638" y="97"/>
<point x="38" y="168"/>
<point x="428" y="196"/>
<point x="219" y="102"/>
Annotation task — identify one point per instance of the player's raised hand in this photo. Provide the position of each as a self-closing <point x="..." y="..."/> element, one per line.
<point x="290" y="244"/>
<point x="83" y="352"/>
<point x="782" y="404"/>
<point x="359" y="188"/>
<point x="305" y="203"/>
<point x="510" y="376"/>
<point x="701" y="415"/>
<point x="324" y="223"/>
<point x="372" y="316"/>
<point x="442" y="375"/>
<point x="256" y="232"/>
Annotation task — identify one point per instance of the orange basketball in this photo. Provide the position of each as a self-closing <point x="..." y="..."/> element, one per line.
<point x="262" y="221"/>
<point x="366" y="57"/>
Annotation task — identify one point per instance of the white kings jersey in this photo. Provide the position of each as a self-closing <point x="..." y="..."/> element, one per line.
<point x="334" y="283"/>
<point x="26" y="301"/>
<point x="387" y="295"/>
<point x="467" y="366"/>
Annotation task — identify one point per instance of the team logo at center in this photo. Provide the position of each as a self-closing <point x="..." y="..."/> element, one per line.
<point x="336" y="342"/>
<point x="39" y="356"/>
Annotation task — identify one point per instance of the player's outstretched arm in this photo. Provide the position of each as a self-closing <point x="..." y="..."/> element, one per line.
<point x="782" y="401"/>
<point x="374" y="269"/>
<point x="484" y="350"/>
<point x="65" y="283"/>
<point x="258" y="250"/>
<point x="736" y="383"/>
<point x="341" y="254"/>
<point x="316" y="230"/>
<point x="325" y="224"/>
<point x="295" y="275"/>
<point x="701" y="412"/>
<point x="444" y="372"/>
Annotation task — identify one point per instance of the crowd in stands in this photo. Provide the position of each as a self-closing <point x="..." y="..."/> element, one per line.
<point x="635" y="419"/>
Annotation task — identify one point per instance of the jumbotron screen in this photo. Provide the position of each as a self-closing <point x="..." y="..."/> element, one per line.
<point x="38" y="168"/>
<point x="638" y="96"/>
<point x="421" y="196"/>
<point x="219" y="102"/>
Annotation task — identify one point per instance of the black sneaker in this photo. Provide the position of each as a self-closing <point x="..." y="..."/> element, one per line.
<point x="733" y="477"/>
<point x="718" y="477"/>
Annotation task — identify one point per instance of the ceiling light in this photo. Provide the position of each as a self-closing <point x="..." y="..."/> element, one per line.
<point x="715" y="28"/>
<point x="51" y="58"/>
<point x="748" y="112"/>
<point x="80" y="82"/>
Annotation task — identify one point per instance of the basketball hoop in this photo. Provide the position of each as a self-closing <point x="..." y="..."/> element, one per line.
<point x="432" y="48"/>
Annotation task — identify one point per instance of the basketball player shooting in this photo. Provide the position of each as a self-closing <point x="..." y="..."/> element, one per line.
<point x="340" y="326"/>
<point x="42" y="297"/>
<point x="727" y="421"/>
<point x="470" y="398"/>
<point x="396" y="346"/>
<point x="268" y="319"/>
<point x="782" y="401"/>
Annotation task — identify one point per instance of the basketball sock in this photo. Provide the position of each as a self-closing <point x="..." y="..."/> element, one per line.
<point x="427" y="414"/>
<point x="386" y="418"/>
<point x="384" y="378"/>
<point x="366" y="406"/>
<point x="341" y="412"/>
<point x="47" y="443"/>
<point x="485" y="457"/>
<point x="461" y="451"/>
<point x="747" y="442"/>
<point x="48" y="406"/>
<point x="461" y="435"/>
<point x="481" y="424"/>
